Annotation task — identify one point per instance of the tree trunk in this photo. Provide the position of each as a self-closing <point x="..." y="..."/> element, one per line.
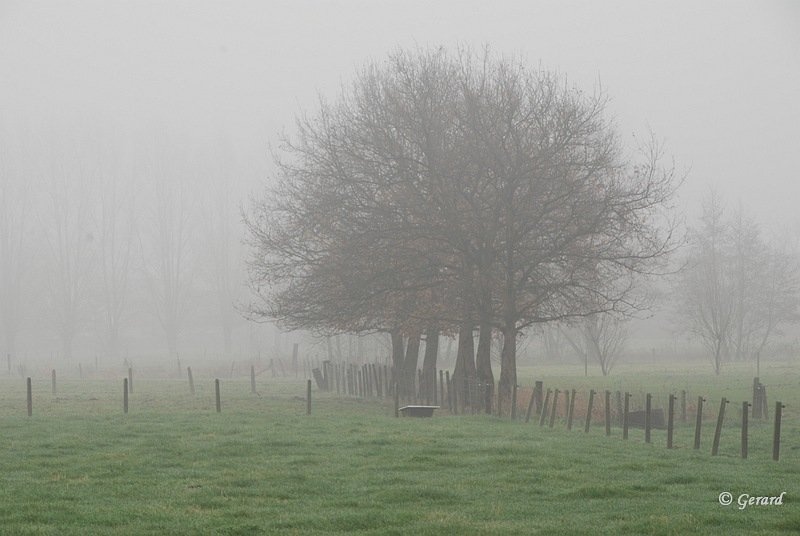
<point x="465" y="362"/>
<point x="410" y="364"/>
<point x="398" y="354"/>
<point x="483" y="359"/>
<point x="330" y="348"/>
<point x="508" y="363"/>
<point x="429" y="361"/>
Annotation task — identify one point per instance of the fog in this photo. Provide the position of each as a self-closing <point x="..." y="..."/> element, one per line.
<point x="132" y="133"/>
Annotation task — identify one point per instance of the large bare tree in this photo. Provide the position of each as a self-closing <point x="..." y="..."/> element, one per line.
<point x="459" y="191"/>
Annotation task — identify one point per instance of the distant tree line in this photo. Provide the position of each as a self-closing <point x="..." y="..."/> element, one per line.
<point x="738" y="290"/>
<point x="453" y="192"/>
<point x="108" y="242"/>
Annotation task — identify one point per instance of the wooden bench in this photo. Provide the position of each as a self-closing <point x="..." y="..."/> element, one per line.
<point x="418" y="411"/>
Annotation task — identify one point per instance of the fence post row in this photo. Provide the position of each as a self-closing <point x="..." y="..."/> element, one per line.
<point x="370" y="380"/>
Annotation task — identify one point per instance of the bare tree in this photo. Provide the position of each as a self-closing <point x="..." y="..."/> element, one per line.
<point x="459" y="192"/>
<point x="607" y="334"/>
<point x="737" y="290"/>
<point x="707" y="306"/>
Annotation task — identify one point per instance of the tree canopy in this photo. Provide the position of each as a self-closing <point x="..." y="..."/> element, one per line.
<point x="448" y="191"/>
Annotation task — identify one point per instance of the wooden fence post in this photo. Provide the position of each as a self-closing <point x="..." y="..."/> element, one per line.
<point x="216" y="395"/>
<point x="29" y="396"/>
<point x="608" y="412"/>
<point x="589" y="408"/>
<point x="776" y="435"/>
<point x="543" y="415"/>
<point x="295" y="366"/>
<point x="571" y="410"/>
<point x="647" y="417"/>
<point x="396" y="400"/>
<point x="191" y="379"/>
<point x="125" y="388"/>
<point x="625" y="415"/>
<point x="252" y="379"/>
<point x="499" y="402"/>
<point x="671" y="418"/>
<point x="514" y="402"/>
<point x="308" y="398"/>
<point x="698" y="422"/>
<point x="553" y="409"/>
<point x="745" y="406"/>
<point x="441" y="386"/>
<point x="718" y="431"/>
<point x="538" y="391"/>
<point x="530" y="406"/>
<point x="449" y="392"/>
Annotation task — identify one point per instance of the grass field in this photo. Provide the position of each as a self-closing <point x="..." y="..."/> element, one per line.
<point x="175" y="466"/>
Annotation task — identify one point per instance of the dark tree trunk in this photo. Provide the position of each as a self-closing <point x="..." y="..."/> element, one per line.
<point x="398" y="354"/>
<point x="508" y="363"/>
<point x="465" y="362"/>
<point x="429" y="361"/>
<point x="483" y="359"/>
<point x="410" y="364"/>
<point x="330" y="348"/>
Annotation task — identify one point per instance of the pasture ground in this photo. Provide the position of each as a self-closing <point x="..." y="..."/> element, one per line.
<point x="175" y="466"/>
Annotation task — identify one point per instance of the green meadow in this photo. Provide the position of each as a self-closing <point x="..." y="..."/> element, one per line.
<point x="173" y="465"/>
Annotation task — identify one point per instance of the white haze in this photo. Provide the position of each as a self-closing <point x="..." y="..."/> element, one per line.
<point x="197" y="92"/>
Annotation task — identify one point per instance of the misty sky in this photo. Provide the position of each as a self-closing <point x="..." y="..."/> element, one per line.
<point x="718" y="81"/>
